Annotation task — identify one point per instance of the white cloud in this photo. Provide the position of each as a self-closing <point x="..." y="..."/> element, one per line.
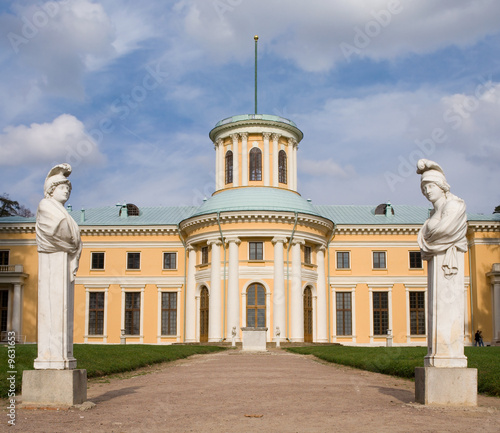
<point x="62" y="140"/>
<point x="314" y="34"/>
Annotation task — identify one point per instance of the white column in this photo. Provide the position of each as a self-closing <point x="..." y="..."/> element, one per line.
<point x="190" y="313"/>
<point x="214" y="304"/>
<point x="291" y="168"/>
<point x="236" y="163"/>
<point x="221" y="166"/>
<point x="296" y="297"/>
<point x="322" y="332"/>
<point x="494" y="276"/>
<point x="216" y="147"/>
<point x="17" y="308"/>
<point x="233" y="289"/>
<point x="294" y="172"/>
<point x="279" y="299"/>
<point x="244" y="159"/>
<point x="275" y="159"/>
<point x="266" y="136"/>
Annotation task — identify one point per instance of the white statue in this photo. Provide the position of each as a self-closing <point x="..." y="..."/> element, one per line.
<point x="445" y="230"/>
<point x="442" y="240"/>
<point x="59" y="249"/>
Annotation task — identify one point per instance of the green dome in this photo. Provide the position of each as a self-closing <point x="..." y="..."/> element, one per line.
<point x="256" y="199"/>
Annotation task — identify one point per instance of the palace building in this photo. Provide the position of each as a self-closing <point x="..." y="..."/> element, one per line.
<point x="255" y="254"/>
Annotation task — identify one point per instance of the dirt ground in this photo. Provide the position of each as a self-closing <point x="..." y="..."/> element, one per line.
<point x="276" y="391"/>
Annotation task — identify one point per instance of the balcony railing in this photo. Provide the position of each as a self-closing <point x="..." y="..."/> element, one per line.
<point x="11" y="268"/>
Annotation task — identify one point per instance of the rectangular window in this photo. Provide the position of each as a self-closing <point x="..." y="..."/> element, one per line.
<point x="343" y="261"/>
<point x="256" y="251"/>
<point x="169" y="260"/>
<point x="417" y="313"/>
<point x="132" y="313"/>
<point x="204" y="255"/>
<point x="168" y="313"/>
<point x="379" y="261"/>
<point x="4" y="258"/>
<point x="344" y="313"/>
<point x="97" y="261"/>
<point x="380" y="313"/>
<point x="415" y="260"/>
<point x="307" y="255"/>
<point x="96" y="313"/>
<point x="133" y="260"/>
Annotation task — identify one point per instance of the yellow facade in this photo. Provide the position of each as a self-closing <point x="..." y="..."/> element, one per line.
<point x="323" y="274"/>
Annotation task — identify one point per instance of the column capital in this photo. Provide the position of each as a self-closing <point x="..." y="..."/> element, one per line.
<point x="299" y="241"/>
<point x="234" y="137"/>
<point x="219" y="142"/>
<point x="234" y="239"/>
<point x="190" y="248"/>
<point x="292" y="142"/>
<point x="244" y="135"/>
<point x="266" y="135"/>
<point x="214" y="242"/>
<point x="321" y="248"/>
<point x="277" y="239"/>
<point x="276" y="136"/>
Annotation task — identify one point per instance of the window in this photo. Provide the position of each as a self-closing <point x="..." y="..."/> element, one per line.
<point x="96" y="313"/>
<point x="417" y="313"/>
<point x="169" y="260"/>
<point x="97" y="261"/>
<point x="4" y="309"/>
<point x="379" y="261"/>
<point x="229" y="167"/>
<point x="380" y="313"/>
<point x="343" y="260"/>
<point x="255" y="164"/>
<point x="282" y="166"/>
<point x="256" y="306"/>
<point x="204" y="301"/>
<point x="4" y="258"/>
<point x="133" y="260"/>
<point x="344" y="313"/>
<point x="307" y="255"/>
<point x="168" y="313"/>
<point x="308" y="315"/>
<point x="256" y="251"/>
<point x="415" y="260"/>
<point x="132" y="313"/>
<point x="204" y="255"/>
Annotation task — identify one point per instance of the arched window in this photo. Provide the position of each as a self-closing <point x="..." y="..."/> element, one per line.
<point x="282" y="166"/>
<point x="229" y="167"/>
<point x="255" y="164"/>
<point x="256" y="306"/>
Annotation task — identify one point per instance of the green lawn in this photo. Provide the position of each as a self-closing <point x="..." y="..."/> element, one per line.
<point x="401" y="361"/>
<point x="98" y="359"/>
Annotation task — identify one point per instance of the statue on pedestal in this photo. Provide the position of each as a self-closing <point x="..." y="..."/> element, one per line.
<point x="59" y="249"/>
<point x="445" y="378"/>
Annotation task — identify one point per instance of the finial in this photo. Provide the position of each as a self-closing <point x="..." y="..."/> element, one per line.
<point x="256" y="37"/>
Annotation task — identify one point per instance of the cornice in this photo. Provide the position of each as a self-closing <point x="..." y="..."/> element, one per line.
<point x="483" y="226"/>
<point x="17" y="228"/>
<point x="128" y="230"/>
<point x="377" y="229"/>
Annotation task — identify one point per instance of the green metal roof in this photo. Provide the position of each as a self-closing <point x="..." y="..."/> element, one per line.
<point x="253" y="199"/>
<point x="241" y="117"/>
<point x="256" y="199"/>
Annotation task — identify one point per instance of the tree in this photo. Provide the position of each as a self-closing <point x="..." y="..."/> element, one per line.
<point x="10" y="207"/>
<point x="497" y="209"/>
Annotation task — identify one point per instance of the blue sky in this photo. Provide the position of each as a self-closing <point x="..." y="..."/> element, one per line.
<point x="127" y="92"/>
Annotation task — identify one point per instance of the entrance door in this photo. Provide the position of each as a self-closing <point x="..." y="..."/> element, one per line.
<point x="4" y="309"/>
<point x="308" y="316"/>
<point x="204" y="315"/>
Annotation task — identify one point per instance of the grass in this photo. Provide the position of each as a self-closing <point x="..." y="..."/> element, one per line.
<point x="401" y="361"/>
<point x="99" y="360"/>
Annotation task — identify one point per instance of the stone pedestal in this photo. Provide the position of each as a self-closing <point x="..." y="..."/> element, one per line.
<point x="446" y="386"/>
<point x="55" y="313"/>
<point x="54" y="387"/>
<point x="254" y="339"/>
<point x="446" y="309"/>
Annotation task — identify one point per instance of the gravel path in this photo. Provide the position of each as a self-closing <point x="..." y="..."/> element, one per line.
<point x="276" y="391"/>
